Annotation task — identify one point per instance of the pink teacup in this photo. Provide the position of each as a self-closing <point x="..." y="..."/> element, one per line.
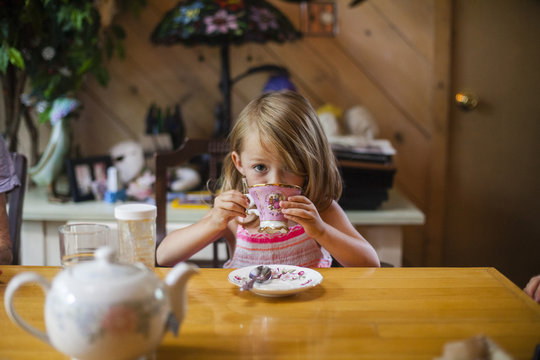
<point x="266" y="198"/>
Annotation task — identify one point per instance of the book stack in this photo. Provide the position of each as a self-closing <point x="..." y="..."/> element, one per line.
<point x="368" y="173"/>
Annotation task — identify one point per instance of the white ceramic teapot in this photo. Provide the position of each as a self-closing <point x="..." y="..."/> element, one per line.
<point x="105" y="310"/>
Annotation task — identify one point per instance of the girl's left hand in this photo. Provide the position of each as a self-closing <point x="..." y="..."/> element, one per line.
<point x="302" y="211"/>
<point x="533" y="288"/>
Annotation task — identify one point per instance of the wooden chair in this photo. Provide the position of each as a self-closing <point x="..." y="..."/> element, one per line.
<point x="15" y="200"/>
<point x="216" y="149"/>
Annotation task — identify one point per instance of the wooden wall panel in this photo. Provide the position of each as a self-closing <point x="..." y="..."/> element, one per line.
<point x="413" y="20"/>
<point x="397" y="67"/>
<point x="343" y="83"/>
<point x="382" y="58"/>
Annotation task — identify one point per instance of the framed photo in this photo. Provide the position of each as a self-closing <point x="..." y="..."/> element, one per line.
<point x="88" y="177"/>
<point x="318" y="18"/>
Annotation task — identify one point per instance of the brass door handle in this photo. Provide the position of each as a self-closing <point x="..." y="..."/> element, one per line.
<point x="466" y="100"/>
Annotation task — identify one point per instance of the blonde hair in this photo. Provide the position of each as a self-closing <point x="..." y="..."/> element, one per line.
<point x="285" y="121"/>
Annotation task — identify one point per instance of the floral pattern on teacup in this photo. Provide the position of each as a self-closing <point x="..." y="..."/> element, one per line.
<point x="273" y="202"/>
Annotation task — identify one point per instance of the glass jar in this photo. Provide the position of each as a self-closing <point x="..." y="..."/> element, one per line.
<point x="136" y="233"/>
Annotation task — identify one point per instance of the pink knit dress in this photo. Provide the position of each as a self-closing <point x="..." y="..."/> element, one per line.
<point x="293" y="248"/>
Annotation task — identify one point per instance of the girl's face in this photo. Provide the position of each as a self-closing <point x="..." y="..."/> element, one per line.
<point x="261" y="165"/>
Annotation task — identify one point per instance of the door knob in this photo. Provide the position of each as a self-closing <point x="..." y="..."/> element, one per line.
<point x="466" y="100"/>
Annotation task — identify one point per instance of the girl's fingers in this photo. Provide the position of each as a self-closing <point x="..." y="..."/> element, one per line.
<point x="300" y="202"/>
<point x="231" y="202"/>
<point x="298" y="213"/>
<point x="533" y="288"/>
<point x="233" y="197"/>
<point x="299" y="199"/>
<point x="299" y="206"/>
<point x="230" y="206"/>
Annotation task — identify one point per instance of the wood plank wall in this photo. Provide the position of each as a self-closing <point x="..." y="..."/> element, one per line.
<point x="382" y="58"/>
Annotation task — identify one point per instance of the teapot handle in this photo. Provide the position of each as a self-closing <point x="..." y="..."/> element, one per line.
<point x="12" y="287"/>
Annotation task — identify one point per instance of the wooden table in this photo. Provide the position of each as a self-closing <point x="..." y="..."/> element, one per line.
<point x="355" y="313"/>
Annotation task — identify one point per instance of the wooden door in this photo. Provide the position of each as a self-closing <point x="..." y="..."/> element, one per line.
<point x="493" y="198"/>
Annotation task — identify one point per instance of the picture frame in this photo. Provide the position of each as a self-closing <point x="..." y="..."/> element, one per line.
<point x="86" y="175"/>
<point x="319" y="18"/>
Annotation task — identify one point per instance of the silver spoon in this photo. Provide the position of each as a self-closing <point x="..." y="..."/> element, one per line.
<point x="259" y="274"/>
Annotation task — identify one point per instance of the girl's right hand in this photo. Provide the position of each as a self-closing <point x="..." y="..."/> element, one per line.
<point x="227" y="206"/>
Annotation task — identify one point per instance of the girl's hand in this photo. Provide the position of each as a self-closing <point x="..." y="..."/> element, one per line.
<point x="533" y="288"/>
<point x="227" y="206"/>
<point x="302" y="211"/>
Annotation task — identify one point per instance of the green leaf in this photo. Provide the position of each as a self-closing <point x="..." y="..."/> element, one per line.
<point x="15" y="57"/>
<point x="77" y="19"/>
<point x="102" y="76"/>
<point x="88" y="63"/>
<point x="63" y="15"/>
<point x="53" y="83"/>
<point x="45" y="116"/>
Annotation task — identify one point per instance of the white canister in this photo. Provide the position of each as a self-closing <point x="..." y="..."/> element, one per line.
<point x="136" y="233"/>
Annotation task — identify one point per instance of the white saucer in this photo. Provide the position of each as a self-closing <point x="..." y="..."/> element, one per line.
<point x="286" y="280"/>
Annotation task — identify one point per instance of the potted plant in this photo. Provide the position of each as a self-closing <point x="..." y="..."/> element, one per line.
<point x="47" y="47"/>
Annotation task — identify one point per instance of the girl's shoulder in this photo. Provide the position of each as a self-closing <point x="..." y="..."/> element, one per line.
<point x="335" y="216"/>
<point x="333" y="212"/>
<point x="333" y="207"/>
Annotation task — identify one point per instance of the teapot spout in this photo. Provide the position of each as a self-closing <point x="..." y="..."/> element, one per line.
<point x="176" y="280"/>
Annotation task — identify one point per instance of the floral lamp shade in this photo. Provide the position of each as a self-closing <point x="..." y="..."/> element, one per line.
<point x="215" y="22"/>
<point x="223" y="23"/>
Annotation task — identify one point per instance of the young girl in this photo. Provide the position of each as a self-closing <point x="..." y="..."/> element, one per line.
<point x="277" y="139"/>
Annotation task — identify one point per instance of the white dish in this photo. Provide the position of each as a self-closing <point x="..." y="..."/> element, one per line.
<point x="286" y="280"/>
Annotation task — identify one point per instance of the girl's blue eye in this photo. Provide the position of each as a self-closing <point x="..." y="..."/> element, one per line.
<point x="259" y="167"/>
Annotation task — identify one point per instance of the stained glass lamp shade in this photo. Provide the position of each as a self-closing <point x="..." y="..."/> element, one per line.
<point x="222" y="23"/>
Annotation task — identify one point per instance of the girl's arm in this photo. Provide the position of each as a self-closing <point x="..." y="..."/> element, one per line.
<point x="181" y="244"/>
<point x="332" y="230"/>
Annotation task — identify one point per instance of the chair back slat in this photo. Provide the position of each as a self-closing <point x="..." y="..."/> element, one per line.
<point x="215" y="148"/>
<point x="15" y="200"/>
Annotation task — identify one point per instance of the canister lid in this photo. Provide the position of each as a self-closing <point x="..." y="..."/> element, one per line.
<point x="135" y="211"/>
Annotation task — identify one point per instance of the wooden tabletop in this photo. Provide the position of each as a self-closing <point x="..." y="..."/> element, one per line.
<point x="355" y="313"/>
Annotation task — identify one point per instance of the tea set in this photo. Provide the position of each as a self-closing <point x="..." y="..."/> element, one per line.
<point x="93" y="306"/>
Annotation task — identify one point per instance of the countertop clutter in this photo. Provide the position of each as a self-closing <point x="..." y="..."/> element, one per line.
<point x="41" y="219"/>
<point x="398" y="210"/>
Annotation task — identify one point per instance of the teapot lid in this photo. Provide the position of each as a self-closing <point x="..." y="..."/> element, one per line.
<point x="105" y="268"/>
